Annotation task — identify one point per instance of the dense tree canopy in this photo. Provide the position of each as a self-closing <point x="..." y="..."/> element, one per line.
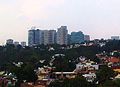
<point x="11" y="53"/>
<point x="79" y="81"/>
<point x="25" y="72"/>
<point x="105" y="74"/>
<point x="31" y="56"/>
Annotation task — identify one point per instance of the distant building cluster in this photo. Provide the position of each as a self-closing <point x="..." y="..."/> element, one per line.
<point x="61" y="36"/>
<point x="115" y="37"/>
<point x="11" y="41"/>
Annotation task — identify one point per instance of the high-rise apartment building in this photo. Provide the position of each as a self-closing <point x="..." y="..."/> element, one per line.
<point x="46" y="36"/>
<point x="49" y="37"/>
<point x="52" y="37"/>
<point x="69" y="38"/>
<point x="31" y="37"/>
<point x="77" y="37"/>
<point x="62" y="35"/>
<point x="36" y="37"/>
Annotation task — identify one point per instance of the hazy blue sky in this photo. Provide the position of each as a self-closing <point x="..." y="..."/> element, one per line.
<point x="98" y="18"/>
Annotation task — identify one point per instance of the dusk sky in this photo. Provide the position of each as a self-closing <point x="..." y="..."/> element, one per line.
<point x="98" y="18"/>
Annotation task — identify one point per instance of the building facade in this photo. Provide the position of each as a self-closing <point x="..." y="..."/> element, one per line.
<point x="9" y="41"/>
<point x="86" y="37"/>
<point x="16" y="43"/>
<point x="115" y="37"/>
<point x="48" y="37"/>
<point x="23" y="43"/>
<point x="37" y="37"/>
<point x="31" y="37"/>
<point x="62" y="35"/>
<point x="52" y="36"/>
<point x="77" y="37"/>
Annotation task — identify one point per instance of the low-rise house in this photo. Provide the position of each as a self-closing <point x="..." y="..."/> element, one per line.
<point x="113" y="60"/>
<point x="68" y="75"/>
<point x="86" y="67"/>
<point x="43" y="73"/>
<point x="118" y="76"/>
<point x="90" y="77"/>
<point x="117" y="70"/>
<point x="33" y="85"/>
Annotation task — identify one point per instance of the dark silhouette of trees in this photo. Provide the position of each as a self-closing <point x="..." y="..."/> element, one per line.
<point x="105" y="74"/>
<point x="25" y="72"/>
<point x="79" y="81"/>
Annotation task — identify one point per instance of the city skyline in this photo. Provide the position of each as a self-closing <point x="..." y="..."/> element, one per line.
<point x="37" y="36"/>
<point x="61" y="36"/>
<point x="99" y="19"/>
<point x="33" y="28"/>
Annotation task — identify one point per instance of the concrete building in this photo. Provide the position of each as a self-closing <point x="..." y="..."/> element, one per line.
<point x="9" y="41"/>
<point x="115" y="37"/>
<point x="62" y="35"/>
<point x="16" y="43"/>
<point x="69" y="39"/>
<point x="86" y="38"/>
<point x="77" y="37"/>
<point x="52" y="37"/>
<point x="49" y="37"/>
<point x="45" y="37"/>
<point x="23" y="44"/>
<point x="35" y="37"/>
<point x="31" y="37"/>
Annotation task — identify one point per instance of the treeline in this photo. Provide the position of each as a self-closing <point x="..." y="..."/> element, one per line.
<point x="104" y="78"/>
<point x="11" y="53"/>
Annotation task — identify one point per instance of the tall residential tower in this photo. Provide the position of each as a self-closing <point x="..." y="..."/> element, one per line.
<point x="37" y="37"/>
<point x="77" y="37"/>
<point x="34" y="37"/>
<point x="62" y="35"/>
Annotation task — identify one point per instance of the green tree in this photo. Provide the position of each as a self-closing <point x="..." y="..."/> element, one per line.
<point x="79" y="81"/>
<point x="104" y="74"/>
<point x="109" y="83"/>
<point x="117" y="82"/>
<point x="25" y="72"/>
<point x="63" y="65"/>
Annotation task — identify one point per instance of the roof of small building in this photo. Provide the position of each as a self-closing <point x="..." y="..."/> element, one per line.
<point x="64" y="72"/>
<point x="113" y="59"/>
<point x="118" y="76"/>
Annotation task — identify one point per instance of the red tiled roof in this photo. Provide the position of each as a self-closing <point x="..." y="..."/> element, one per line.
<point x="115" y="67"/>
<point x="113" y="59"/>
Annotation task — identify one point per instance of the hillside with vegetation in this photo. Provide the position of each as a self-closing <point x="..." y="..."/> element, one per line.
<point x="31" y="58"/>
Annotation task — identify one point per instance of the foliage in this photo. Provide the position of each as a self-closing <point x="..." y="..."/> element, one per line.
<point x="64" y="65"/>
<point x="112" y="45"/>
<point x="11" y="53"/>
<point x="111" y="83"/>
<point x="24" y="73"/>
<point x="31" y="56"/>
<point x="105" y="74"/>
<point x="79" y="81"/>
